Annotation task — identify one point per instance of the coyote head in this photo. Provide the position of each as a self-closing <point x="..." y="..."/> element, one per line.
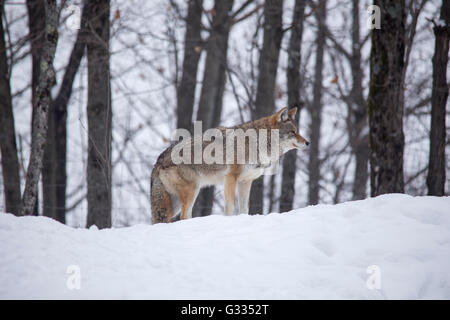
<point x="283" y="120"/>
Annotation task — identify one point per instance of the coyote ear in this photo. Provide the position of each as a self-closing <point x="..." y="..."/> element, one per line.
<point x="281" y="115"/>
<point x="292" y="112"/>
<point x="284" y="115"/>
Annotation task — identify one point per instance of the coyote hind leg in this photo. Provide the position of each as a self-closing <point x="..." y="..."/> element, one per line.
<point x="187" y="196"/>
<point x="243" y="195"/>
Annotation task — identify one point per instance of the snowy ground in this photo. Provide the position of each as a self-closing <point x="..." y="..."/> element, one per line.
<point x="321" y="251"/>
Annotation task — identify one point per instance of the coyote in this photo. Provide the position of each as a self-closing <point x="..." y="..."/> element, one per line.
<point x="175" y="187"/>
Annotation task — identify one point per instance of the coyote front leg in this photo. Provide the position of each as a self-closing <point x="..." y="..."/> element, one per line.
<point x="230" y="190"/>
<point x="244" y="195"/>
<point x="187" y="197"/>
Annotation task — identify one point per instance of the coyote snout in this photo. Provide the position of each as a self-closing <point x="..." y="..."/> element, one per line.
<point x="175" y="185"/>
<point x="298" y="141"/>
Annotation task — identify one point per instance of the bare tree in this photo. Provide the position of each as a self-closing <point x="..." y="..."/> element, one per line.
<point x="192" y="52"/>
<point x="8" y="146"/>
<point x="316" y="107"/>
<point x="36" y="26"/>
<point x="43" y="100"/>
<point x="436" y="167"/>
<point x="54" y="176"/>
<point x="213" y="85"/>
<point x="385" y="99"/>
<point x="99" y="115"/>
<point x="265" y="92"/>
<point x="357" y="121"/>
<point x="293" y="92"/>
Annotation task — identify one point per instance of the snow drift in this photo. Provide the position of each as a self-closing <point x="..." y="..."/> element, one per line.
<point x="321" y="251"/>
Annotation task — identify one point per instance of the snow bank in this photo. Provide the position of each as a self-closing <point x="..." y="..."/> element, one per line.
<point x="321" y="251"/>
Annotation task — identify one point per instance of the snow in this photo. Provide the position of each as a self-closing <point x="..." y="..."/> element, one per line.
<point x="321" y="252"/>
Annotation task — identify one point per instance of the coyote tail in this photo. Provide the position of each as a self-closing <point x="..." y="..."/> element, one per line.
<point x="162" y="210"/>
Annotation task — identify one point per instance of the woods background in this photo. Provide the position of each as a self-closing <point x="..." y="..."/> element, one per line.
<point x="128" y="73"/>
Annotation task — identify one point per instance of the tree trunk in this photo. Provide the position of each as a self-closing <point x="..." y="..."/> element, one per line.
<point x="99" y="116"/>
<point x="436" y="168"/>
<point x="265" y="92"/>
<point x="192" y="52"/>
<point x="359" y="140"/>
<point x="271" y="194"/>
<point x="316" y="108"/>
<point x="213" y="86"/>
<point x="36" y="26"/>
<point x="384" y="103"/>
<point x="43" y="100"/>
<point x="54" y="174"/>
<point x="8" y="146"/>
<point x="293" y="92"/>
<point x="49" y="169"/>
